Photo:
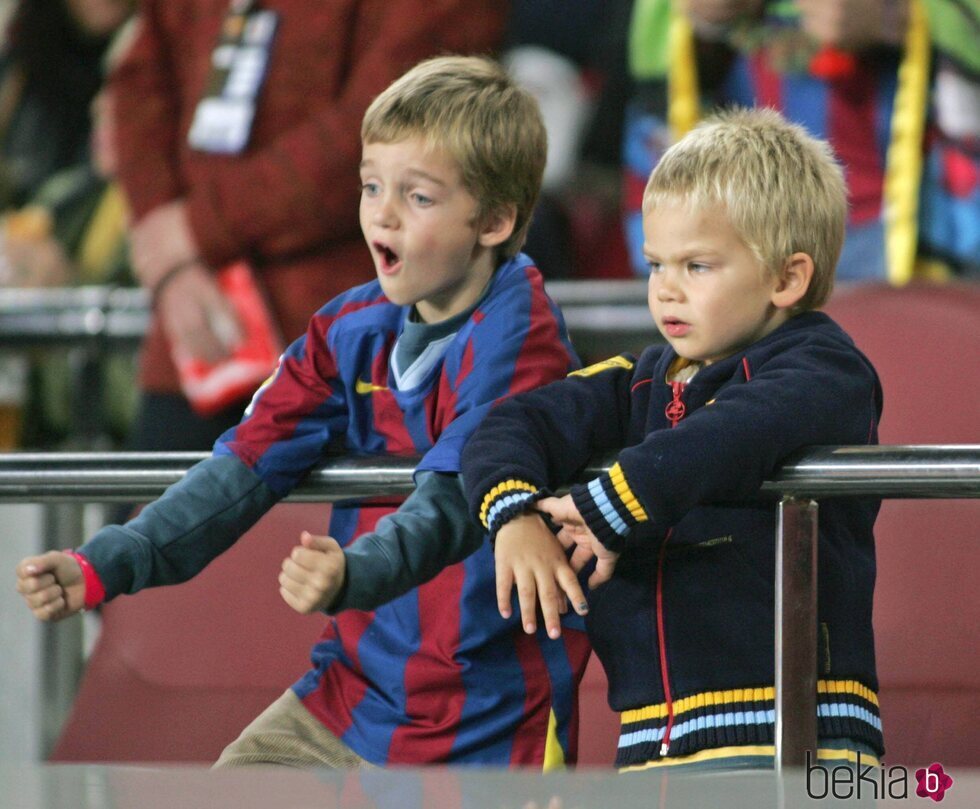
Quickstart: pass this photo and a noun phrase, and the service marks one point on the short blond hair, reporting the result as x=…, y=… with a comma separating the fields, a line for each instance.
x=781, y=188
x=492, y=128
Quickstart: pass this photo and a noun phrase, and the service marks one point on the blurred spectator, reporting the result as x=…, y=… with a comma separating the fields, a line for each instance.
x=73, y=232
x=831, y=65
x=569, y=54
x=50, y=69
x=70, y=231
x=949, y=233
x=239, y=140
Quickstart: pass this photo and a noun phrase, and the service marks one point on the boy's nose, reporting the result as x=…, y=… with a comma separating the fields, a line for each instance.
x=667, y=285
x=384, y=213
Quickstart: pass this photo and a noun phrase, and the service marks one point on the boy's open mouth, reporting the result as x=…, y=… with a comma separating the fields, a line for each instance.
x=389, y=258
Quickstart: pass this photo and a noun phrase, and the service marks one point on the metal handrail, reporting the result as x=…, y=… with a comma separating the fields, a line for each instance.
x=939, y=471
x=120, y=316
x=934, y=471
x=31, y=317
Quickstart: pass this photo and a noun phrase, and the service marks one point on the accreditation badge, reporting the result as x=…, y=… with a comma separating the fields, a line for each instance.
x=223, y=118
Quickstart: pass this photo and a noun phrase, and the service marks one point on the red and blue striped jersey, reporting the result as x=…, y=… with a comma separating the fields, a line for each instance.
x=852, y=112
x=435, y=675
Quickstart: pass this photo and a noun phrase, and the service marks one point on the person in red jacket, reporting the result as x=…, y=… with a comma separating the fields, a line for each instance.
x=238, y=129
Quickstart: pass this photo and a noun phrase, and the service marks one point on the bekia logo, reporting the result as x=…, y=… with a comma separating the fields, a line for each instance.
x=873, y=780
x=933, y=782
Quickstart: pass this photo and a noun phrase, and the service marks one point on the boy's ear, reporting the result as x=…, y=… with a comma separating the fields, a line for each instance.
x=794, y=281
x=498, y=225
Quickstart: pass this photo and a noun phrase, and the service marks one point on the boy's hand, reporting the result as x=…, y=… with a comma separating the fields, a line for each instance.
x=312, y=574
x=575, y=532
x=197, y=317
x=529, y=557
x=52, y=585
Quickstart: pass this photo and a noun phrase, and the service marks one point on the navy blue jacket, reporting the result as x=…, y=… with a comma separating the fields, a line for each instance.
x=682, y=504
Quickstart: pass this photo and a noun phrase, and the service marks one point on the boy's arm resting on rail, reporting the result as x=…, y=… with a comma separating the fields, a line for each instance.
x=176, y=536
x=170, y=540
x=544, y=438
x=821, y=394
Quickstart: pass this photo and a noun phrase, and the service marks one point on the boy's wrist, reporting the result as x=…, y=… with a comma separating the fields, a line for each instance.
x=94, y=589
x=507, y=500
x=338, y=599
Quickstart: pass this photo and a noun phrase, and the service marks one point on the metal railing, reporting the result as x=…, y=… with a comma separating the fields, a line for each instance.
x=67, y=316
x=111, y=316
x=943, y=471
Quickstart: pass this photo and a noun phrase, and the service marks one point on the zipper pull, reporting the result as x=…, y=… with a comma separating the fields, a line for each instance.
x=676, y=408
x=664, y=748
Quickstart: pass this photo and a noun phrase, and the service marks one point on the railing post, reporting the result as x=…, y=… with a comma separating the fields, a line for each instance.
x=61, y=643
x=796, y=632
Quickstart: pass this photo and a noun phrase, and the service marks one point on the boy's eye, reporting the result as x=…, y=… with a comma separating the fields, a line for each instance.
x=370, y=189
x=421, y=199
x=696, y=267
x=655, y=267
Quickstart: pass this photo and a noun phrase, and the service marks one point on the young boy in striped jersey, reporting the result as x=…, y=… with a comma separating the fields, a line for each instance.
x=453, y=154
x=743, y=224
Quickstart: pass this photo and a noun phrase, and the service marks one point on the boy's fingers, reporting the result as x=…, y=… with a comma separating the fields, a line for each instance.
x=301, y=598
x=572, y=589
x=566, y=538
x=527, y=598
x=48, y=605
x=292, y=600
x=561, y=509
x=43, y=598
x=31, y=584
x=317, y=542
x=603, y=572
x=549, y=597
x=307, y=558
x=35, y=565
x=580, y=557
x=505, y=584
x=288, y=568
x=52, y=611
x=305, y=578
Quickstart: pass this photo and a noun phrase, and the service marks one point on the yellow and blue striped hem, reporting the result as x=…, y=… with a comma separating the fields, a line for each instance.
x=702, y=700
x=847, y=687
x=845, y=708
x=765, y=752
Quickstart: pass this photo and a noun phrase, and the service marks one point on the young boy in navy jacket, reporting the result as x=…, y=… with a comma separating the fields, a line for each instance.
x=452, y=158
x=743, y=224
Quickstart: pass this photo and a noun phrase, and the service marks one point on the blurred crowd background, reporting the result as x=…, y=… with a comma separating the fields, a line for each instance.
x=103, y=180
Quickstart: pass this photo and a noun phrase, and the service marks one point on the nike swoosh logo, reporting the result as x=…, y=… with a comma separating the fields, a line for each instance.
x=365, y=388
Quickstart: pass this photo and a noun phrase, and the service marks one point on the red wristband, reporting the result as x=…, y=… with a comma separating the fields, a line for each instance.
x=94, y=589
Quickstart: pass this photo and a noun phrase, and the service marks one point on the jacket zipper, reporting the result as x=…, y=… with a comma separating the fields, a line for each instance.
x=674, y=411
x=676, y=408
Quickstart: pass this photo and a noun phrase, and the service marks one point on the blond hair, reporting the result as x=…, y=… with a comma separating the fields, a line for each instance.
x=492, y=128
x=781, y=188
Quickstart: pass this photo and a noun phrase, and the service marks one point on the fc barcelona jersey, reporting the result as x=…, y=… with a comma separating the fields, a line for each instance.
x=435, y=675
